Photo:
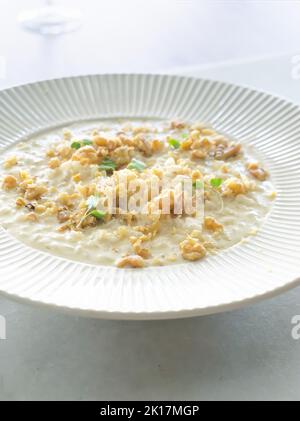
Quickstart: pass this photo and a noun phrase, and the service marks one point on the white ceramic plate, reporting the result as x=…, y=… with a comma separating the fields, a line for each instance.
x=261, y=267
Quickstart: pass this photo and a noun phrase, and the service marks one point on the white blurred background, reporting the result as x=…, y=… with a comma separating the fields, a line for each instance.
x=147, y=35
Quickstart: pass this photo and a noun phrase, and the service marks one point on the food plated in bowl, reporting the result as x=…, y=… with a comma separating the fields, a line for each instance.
x=74, y=192
x=69, y=240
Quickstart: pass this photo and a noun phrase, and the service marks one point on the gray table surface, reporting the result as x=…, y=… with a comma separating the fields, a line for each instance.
x=245, y=354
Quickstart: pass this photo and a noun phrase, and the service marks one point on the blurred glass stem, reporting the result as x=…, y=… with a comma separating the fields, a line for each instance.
x=50, y=19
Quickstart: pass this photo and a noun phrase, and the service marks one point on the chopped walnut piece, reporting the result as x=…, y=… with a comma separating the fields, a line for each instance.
x=63, y=228
x=63, y=215
x=9, y=182
x=224, y=169
x=40, y=209
x=128, y=218
x=126, y=141
x=67, y=134
x=143, y=145
x=25, y=184
x=137, y=246
x=54, y=163
x=67, y=199
x=100, y=141
x=32, y=217
x=157, y=172
x=212, y=224
x=220, y=140
x=76, y=178
x=234, y=187
x=177, y=125
x=232, y=151
x=89, y=222
x=86, y=155
x=157, y=145
x=192, y=249
x=198, y=154
x=51, y=208
x=186, y=144
x=260, y=174
x=122, y=155
x=223, y=153
x=20, y=202
x=150, y=230
x=10, y=162
x=197, y=234
x=122, y=232
x=182, y=171
x=198, y=126
x=140, y=129
x=50, y=153
x=87, y=190
x=143, y=252
x=197, y=144
x=195, y=134
x=208, y=132
x=134, y=261
x=206, y=143
x=257, y=172
x=252, y=166
x=24, y=175
x=102, y=153
x=34, y=191
x=196, y=174
x=113, y=144
x=65, y=152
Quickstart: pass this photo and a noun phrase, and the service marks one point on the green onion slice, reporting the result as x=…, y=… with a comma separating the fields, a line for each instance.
x=86, y=142
x=198, y=184
x=107, y=165
x=137, y=165
x=98, y=214
x=216, y=182
x=79, y=143
x=174, y=143
x=76, y=145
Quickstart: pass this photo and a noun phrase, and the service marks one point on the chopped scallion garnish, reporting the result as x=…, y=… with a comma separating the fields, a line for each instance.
x=137, y=165
x=79, y=143
x=107, y=165
x=216, y=182
x=198, y=184
x=76, y=145
x=98, y=214
x=174, y=143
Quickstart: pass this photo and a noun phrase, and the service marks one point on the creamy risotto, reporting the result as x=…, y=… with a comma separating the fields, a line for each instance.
x=57, y=189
